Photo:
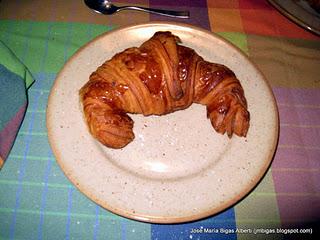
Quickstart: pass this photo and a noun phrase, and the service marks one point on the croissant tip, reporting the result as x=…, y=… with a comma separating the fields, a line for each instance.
x=115, y=141
x=167, y=34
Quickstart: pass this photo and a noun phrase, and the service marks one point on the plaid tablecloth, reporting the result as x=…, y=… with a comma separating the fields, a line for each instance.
x=38, y=202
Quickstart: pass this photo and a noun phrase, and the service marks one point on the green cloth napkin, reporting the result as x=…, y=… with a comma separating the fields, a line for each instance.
x=15, y=78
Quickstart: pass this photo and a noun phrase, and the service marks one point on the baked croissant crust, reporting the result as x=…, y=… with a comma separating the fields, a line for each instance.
x=160, y=77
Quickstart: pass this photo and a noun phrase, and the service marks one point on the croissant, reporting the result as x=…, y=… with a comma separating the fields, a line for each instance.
x=159, y=77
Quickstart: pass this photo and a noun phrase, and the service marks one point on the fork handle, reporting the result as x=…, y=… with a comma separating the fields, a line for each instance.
x=168, y=13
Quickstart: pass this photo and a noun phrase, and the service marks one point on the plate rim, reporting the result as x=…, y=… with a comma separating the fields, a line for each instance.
x=294, y=18
x=163, y=219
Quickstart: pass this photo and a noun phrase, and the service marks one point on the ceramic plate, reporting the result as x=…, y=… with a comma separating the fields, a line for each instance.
x=300, y=12
x=177, y=168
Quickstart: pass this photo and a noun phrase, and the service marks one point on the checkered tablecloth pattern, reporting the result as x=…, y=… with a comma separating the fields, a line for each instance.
x=38, y=202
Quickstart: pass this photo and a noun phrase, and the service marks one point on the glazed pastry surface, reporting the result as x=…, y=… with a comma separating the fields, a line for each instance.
x=159, y=77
